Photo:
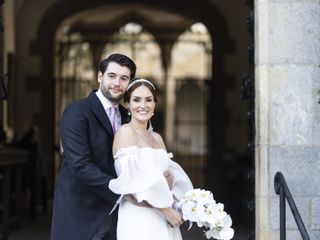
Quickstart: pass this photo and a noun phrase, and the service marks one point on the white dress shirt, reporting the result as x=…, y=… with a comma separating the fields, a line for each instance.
x=107, y=107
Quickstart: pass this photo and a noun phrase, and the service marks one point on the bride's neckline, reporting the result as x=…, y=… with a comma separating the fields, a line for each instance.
x=146, y=137
x=139, y=129
x=139, y=148
x=144, y=147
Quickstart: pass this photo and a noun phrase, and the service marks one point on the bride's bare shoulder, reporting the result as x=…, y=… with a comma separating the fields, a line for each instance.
x=125, y=128
x=125, y=136
x=124, y=132
x=158, y=139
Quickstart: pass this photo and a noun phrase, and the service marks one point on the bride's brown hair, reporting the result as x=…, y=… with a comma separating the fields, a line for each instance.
x=134, y=84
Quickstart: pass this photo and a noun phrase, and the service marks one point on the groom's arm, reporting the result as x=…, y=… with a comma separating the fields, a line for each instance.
x=77, y=154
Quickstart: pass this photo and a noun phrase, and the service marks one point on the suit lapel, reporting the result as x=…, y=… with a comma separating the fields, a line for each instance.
x=100, y=113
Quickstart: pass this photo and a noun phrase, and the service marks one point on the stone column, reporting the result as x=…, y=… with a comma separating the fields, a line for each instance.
x=8, y=11
x=287, y=59
x=170, y=88
x=170, y=110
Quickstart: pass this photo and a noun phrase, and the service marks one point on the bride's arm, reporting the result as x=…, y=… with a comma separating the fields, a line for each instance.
x=125, y=137
x=172, y=215
x=130, y=198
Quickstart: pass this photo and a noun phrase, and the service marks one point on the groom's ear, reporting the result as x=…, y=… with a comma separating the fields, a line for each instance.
x=100, y=75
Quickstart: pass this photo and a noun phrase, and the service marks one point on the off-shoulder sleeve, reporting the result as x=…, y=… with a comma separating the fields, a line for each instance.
x=181, y=181
x=138, y=176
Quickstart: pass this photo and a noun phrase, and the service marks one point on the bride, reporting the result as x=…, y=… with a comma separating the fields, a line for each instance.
x=146, y=208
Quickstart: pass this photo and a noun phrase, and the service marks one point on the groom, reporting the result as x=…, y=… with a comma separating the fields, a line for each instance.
x=82, y=199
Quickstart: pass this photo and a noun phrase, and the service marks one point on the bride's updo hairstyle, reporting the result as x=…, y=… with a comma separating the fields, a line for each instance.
x=134, y=84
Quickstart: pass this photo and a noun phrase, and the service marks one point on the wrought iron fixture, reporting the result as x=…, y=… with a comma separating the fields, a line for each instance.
x=281, y=188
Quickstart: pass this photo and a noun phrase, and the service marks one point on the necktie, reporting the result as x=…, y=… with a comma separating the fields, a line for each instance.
x=112, y=118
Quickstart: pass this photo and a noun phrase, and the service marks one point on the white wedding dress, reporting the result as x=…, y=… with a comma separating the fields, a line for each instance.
x=140, y=173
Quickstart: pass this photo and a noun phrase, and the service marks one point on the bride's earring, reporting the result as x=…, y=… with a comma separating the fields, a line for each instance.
x=128, y=111
x=150, y=128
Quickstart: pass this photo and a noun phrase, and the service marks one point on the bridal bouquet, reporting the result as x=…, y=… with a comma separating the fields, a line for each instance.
x=199, y=206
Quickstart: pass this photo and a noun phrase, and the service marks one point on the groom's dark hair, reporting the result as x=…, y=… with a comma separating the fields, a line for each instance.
x=122, y=60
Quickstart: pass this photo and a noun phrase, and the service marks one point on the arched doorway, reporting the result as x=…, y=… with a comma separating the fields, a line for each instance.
x=217, y=105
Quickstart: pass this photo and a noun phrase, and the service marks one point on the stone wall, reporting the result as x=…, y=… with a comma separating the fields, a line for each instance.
x=287, y=38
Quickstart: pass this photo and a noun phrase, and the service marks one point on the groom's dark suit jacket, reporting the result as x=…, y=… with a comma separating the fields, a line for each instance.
x=82, y=199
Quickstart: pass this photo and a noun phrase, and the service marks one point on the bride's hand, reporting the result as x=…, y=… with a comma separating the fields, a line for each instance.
x=131, y=199
x=172, y=216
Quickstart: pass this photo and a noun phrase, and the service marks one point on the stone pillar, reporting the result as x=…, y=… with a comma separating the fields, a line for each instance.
x=170, y=110
x=170, y=94
x=8, y=11
x=287, y=59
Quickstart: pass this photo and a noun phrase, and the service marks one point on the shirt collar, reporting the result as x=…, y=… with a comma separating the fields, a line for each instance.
x=105, y=102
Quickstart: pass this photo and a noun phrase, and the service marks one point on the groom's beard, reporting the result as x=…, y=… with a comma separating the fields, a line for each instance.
x=110, y=97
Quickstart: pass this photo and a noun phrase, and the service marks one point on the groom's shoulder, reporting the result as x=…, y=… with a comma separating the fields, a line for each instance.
x=78, y=106
x=80, y=103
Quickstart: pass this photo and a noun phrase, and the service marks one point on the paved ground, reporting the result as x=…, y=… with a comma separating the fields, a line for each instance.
x=32, y=229
x=39, y=229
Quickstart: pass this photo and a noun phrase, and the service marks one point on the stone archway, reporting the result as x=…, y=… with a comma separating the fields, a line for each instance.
x=217, y=110
x=207, y=14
